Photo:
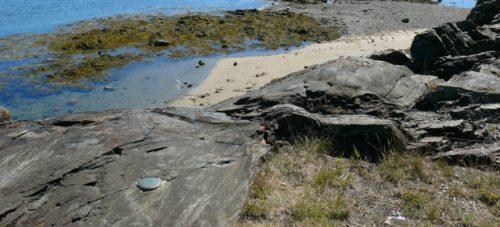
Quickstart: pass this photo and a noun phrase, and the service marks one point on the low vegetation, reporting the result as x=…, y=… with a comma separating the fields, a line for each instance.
x=304, y=186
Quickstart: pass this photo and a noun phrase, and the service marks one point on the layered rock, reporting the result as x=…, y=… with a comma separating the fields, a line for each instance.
x=343, y=86
x=456, y=47
x=83, y=169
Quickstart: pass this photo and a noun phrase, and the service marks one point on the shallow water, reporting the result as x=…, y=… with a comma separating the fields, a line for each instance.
x=146, y=84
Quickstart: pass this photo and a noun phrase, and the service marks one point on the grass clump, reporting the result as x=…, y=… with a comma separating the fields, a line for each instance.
x=397, y=167
x=414, y=202
x=302, y=185
x=484, y=187
x=332, y=177
x=312, y=208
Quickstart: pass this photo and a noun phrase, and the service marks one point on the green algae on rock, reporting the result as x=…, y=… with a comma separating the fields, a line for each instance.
x=85, y=50
x=199, y=34
x=69, y=71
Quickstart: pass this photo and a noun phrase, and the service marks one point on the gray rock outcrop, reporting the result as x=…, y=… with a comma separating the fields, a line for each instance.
x=343, y=86
x=456, y=47
x=83, y=169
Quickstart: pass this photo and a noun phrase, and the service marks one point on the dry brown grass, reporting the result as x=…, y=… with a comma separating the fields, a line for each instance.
x=302, y=185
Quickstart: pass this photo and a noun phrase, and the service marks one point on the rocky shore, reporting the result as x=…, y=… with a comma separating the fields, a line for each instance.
x=83, y=169
x=355, y=17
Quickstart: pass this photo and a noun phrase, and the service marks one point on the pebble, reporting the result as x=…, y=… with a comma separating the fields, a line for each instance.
x=108, y=88
x=160, y=42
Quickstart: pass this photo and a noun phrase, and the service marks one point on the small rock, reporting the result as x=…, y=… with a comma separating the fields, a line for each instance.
x=72, y=102
x=149, y=183
x=159, y=42
x=235, y=63
x=405, y=20
x=5, y=115
x=108, y=88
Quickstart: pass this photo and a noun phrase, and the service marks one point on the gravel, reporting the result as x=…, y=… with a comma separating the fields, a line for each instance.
x=368, y=17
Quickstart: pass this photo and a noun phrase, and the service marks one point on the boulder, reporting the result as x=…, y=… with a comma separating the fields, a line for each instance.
x=485, y=112
x=484, y=12
x=448, y=66
x=456, y=47
x=343, y=86
x=484, y=156
x=369, y=135
x=493, y=68
x=395, y=57
x=84, y=169
x=462, y=90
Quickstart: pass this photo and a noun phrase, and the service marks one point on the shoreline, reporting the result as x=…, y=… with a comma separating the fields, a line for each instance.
x=225, y=80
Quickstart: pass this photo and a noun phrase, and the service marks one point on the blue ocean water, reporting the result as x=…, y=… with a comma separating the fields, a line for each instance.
x=460, y=3
x=34, y=16
x=22, y=16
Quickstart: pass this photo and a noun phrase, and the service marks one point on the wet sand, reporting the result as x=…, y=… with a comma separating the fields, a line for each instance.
x=235, y=76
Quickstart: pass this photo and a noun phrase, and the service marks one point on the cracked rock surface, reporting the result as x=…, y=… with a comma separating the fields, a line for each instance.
x=83, y=169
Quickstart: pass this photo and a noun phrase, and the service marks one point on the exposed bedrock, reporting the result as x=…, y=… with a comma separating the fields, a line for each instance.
x=83, y=169
x=456, y=47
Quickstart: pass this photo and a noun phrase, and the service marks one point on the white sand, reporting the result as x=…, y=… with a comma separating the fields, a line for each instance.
x=227, y=81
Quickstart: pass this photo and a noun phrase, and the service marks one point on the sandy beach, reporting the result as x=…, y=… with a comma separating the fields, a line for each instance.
x=235, y=76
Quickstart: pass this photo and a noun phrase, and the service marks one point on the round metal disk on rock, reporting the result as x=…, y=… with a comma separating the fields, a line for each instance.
x=149, y=183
